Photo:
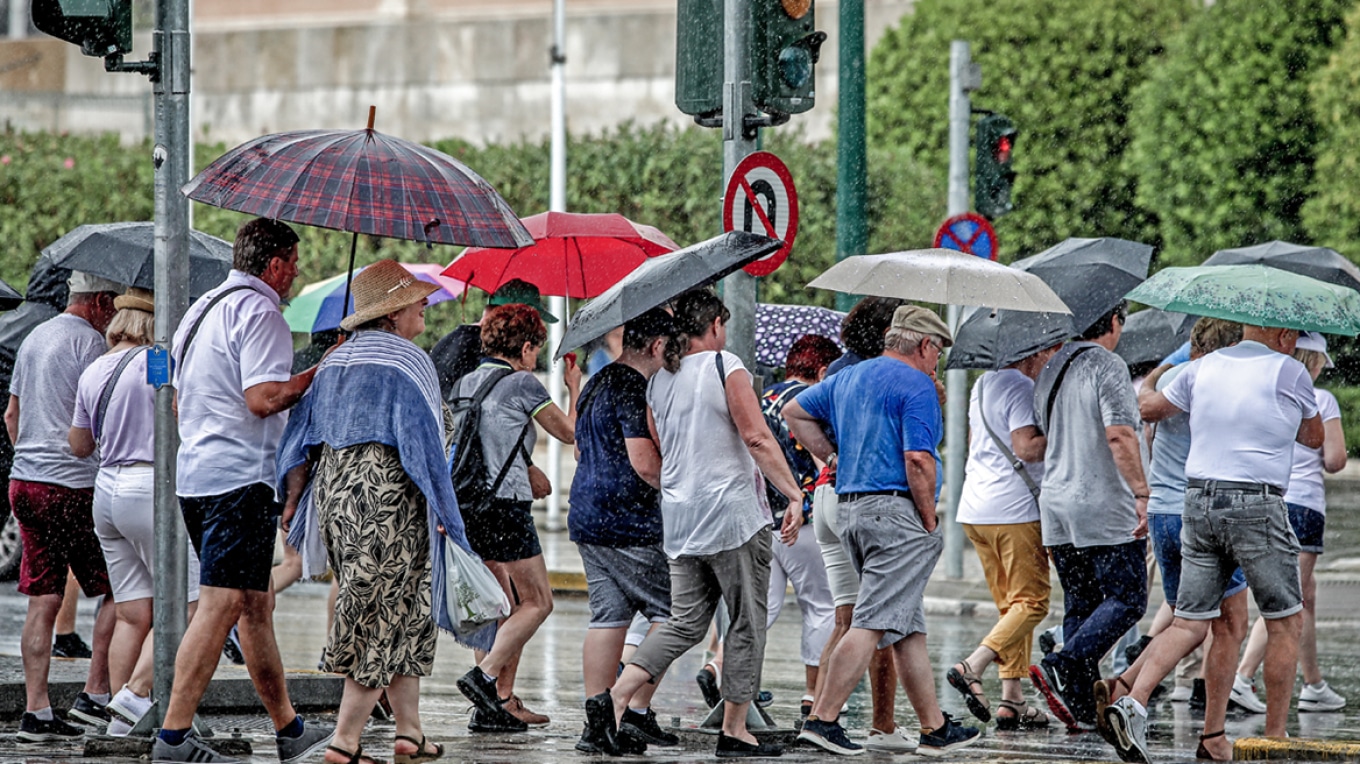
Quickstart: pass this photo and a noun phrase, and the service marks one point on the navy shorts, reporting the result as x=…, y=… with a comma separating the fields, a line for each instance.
x=1308, y=525
x=503, y=532
x=1166, y=547
x=233, y=534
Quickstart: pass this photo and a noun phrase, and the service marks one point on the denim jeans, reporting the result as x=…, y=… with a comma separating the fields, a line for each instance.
x=1104, y=595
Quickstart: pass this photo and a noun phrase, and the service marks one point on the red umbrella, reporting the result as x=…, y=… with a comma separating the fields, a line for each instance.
x=573, y=255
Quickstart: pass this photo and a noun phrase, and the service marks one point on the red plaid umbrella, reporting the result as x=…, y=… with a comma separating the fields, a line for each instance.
x=360, y=181
x=573, y=255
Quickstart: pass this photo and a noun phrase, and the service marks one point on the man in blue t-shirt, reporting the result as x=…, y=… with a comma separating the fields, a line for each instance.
x=615, y=520
x=886, y=415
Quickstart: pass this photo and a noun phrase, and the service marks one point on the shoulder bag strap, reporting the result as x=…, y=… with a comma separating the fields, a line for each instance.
x=1057, y=383
x=107, y=393
x=1005, y=450
x=193, y=330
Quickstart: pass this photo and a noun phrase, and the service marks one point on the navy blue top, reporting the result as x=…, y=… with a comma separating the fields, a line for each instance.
x=610, y=504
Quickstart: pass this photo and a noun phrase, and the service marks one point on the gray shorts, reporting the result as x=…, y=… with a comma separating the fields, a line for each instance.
x=894, y=556
x=625, y=580
x=1228, y=528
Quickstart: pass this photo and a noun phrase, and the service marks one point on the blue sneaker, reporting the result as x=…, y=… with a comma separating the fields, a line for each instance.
x=951, y=737
x=829, y=736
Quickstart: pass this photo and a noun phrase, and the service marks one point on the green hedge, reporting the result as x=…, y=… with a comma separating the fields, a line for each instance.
x=1332, y=213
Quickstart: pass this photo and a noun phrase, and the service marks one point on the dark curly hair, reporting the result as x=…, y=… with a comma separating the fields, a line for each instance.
x=696, y=309
x=505, y=329
x=258, y=242
x=862, y=332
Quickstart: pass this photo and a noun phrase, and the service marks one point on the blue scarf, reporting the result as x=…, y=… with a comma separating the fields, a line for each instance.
x=380, y=388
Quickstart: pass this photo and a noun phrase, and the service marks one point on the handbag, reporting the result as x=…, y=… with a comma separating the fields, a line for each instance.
x=472, y=593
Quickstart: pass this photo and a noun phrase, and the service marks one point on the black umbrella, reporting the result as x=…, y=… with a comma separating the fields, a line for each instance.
x=9, y=297
x=124, y=252
x=661, y=279
x=995, y=339
x=1090, y=275
x=1153, y=334
x=1320, y=263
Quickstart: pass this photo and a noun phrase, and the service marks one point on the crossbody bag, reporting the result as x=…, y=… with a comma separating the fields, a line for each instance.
x=1006, y=450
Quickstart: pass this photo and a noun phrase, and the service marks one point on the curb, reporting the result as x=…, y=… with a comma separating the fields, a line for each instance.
x=1276, y=749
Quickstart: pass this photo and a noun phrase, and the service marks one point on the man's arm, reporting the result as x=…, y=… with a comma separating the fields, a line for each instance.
x=12, y=419
x=1154, y=406
x=1123, y=441
x=921, y=479
x=1028, y=444
x=269, y=398
x=807, y=430
x=81, y=441
x=1311, y=432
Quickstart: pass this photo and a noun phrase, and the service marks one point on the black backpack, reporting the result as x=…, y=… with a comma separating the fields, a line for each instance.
x=470, y=473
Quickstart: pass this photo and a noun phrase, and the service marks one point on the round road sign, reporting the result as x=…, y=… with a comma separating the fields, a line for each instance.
x=760, y=198
x=969, y=233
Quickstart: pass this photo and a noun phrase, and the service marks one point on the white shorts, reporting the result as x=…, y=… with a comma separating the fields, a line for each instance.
x=124, y=520
x=840, y=574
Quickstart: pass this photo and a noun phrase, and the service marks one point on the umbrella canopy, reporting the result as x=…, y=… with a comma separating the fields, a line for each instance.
x=46, y=298
x=125, y=252
x=1320, y=263
x=995, y=339
x=1256, y=295
x=9, y=297
x=360, y=181
x=1153, y=334
x=941, y=276
x=1090, y=275
x=573, y=255
x=660, y=280
x=779, y=326
x=317, y=308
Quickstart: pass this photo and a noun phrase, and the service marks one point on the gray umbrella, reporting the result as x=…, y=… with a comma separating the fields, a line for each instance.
x=1320, y=263
x=124, y=252
x=1153, y=334
x=660, y=279
x=1090, y=275
x=995, y=339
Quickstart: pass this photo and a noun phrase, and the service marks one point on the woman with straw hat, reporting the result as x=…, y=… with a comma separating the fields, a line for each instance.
x=371, y=436
x=115, y=411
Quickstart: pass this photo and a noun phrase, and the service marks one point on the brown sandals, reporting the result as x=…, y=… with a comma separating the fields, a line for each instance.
x=421, y=754
x=963, y=681
x=1103, y=690
x=357, y=756
x=1022, y=716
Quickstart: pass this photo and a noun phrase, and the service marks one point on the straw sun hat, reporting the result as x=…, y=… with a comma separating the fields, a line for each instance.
x=136, y=298
x=382, y=288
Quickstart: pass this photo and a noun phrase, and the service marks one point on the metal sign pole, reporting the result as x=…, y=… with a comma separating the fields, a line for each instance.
x=739, y=289
x=171, y=157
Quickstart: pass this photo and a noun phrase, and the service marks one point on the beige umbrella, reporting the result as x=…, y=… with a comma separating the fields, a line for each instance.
x=941, y=276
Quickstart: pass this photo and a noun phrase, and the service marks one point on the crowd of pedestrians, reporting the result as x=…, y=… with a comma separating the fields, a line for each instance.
x=696, y=502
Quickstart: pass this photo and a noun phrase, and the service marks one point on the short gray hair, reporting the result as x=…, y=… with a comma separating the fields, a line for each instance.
x=904, y=341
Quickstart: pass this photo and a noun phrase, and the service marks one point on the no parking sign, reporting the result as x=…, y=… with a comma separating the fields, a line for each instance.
x=760, y=198
x=969, y=233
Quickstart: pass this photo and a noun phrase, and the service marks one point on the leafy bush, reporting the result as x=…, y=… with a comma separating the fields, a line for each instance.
x=1332, y=213
x=1224, y=136
x=1064, y=70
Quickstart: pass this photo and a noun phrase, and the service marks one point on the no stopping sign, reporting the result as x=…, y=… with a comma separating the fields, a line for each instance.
x=760, y=198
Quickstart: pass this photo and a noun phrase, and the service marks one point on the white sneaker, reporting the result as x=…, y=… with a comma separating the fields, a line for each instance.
x=118, y=727
x=1181, y=694
x=1127, y=720
x=890, y=742
x=1320, y=697
x=1244, y=697
x=128, y=706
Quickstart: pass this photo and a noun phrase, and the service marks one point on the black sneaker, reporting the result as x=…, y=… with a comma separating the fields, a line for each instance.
x=498, y=720
x=1047, y=643
x=87, y=711
x=70, y=646
x=231, y=649
x=1049, y=682
x=736, y=748
x=35, y=730
x=643, y=726
x=829, y=736
x=708, y=685
x=482, y=692
x=951, y=737
x=1136, y=649
x=599, y=735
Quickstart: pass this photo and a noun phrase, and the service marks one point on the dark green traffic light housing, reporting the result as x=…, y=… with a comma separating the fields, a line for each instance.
x=101, y=28
x=993, y=173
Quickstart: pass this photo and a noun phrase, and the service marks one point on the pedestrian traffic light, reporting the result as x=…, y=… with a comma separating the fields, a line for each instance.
x=699, y=57
x=993, y=174
x=100, y=27
x=784, y=47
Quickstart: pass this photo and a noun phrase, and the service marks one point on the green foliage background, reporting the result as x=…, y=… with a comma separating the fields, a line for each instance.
x=1331, y=215
x=1064, y=70
x=1224, y=134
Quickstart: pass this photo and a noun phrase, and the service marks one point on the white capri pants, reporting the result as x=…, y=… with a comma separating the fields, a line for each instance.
x=840, y=573
x=802, y=565
x=124, y=520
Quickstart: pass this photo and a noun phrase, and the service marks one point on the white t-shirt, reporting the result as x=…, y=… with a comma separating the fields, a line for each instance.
x=1245, y=404
x=712, y=494
x=128, y=432
x=242, y=342
x=47, y=372
x=1305, y=479
x=993, y=492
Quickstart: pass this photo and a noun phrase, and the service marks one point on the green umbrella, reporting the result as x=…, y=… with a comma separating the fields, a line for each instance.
x=1254, y=294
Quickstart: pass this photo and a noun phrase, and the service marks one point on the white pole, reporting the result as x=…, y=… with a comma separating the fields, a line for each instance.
x=557, y=202
x=18, y=19
x=956, y=380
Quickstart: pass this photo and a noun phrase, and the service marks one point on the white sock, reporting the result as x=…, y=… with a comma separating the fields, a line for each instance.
x=1138, y=708
x=639, y=709
x=100, y=698
x=487, y=676
x=1319, y=687
x=1244, y=679
x=44, y=714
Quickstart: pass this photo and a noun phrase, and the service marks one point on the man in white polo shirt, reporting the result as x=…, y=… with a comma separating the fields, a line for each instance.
x=234, y=356
x=1248, y=405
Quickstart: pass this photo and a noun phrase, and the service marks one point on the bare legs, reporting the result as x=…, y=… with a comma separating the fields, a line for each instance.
x=882, y=677
x=532, y=602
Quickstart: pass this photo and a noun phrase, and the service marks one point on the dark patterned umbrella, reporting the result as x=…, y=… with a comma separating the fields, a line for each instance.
x=779, y=326
x=360, y=181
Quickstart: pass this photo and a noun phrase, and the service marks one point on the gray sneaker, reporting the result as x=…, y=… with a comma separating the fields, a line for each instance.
x=1129, y=727
x=314, y=737
x=192, y=750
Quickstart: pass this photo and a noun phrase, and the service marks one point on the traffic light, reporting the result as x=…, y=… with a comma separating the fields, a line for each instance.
x=993, y=174
x=785, y=45
x=100, y=27
x=699, y=57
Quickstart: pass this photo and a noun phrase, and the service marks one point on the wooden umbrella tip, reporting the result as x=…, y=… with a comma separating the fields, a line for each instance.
x=372, y=115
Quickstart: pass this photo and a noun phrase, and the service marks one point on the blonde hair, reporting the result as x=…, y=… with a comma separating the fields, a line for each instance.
x=1313, y=360
x=131, y=325
x=1210, y=334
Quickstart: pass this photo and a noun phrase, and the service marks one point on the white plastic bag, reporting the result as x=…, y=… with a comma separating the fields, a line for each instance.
x=474, y=596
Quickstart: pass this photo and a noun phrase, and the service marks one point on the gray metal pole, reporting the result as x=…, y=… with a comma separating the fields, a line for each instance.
x=956, y=381
x=18, y=19
x=172, y=299
x=739, y=289
x=557, y=202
